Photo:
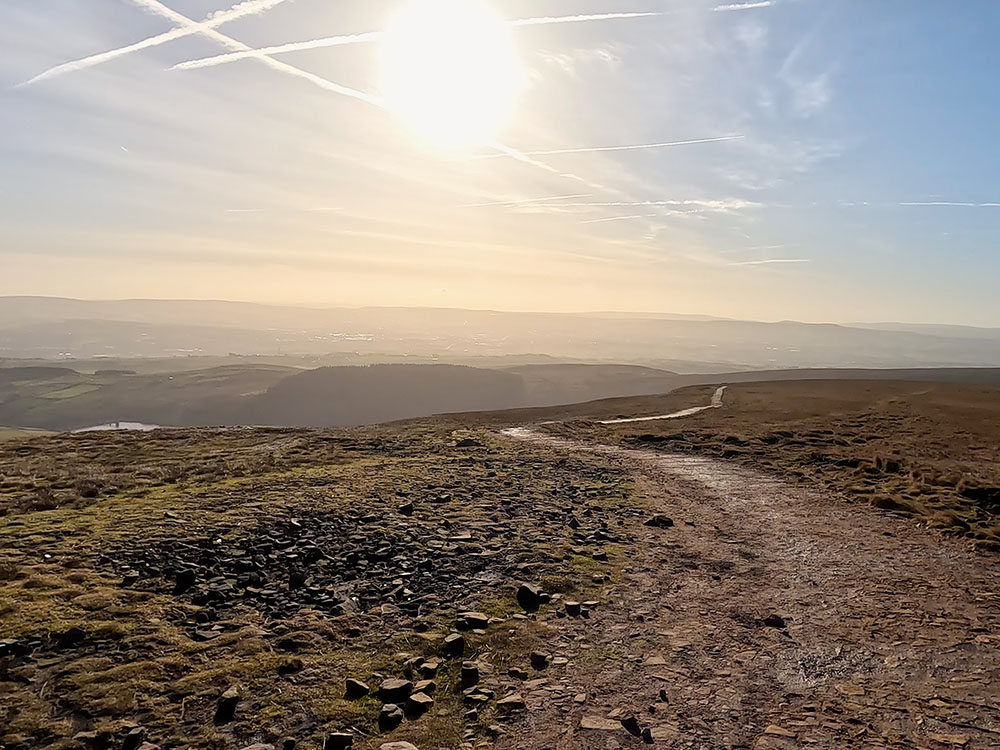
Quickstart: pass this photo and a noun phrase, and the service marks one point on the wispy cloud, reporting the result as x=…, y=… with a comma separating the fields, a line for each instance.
x=620, y=218
x=958, y=204
x=632, y=147
x=743, y=6
x=580, y=18
x=769, y=261
x=525, y=201
x=714, y=205
x=212, y=21
x=371, y=36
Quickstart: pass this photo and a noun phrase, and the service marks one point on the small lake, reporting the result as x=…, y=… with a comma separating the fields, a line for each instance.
x=124, y=426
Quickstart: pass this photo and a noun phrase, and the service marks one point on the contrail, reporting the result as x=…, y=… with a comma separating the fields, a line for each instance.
x=371, y=36
x=620, y=218
x=543, y=21
x=635, y=147
x=743, y=6
x=206, y=29
x=525, y=201
x=951, y=203
x=724, y=205
x=213, y=20
x=330, y=41
x=155, y=6
x=772, y=260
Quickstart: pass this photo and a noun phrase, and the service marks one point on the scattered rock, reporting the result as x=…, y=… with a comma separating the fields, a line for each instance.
x=390, y=717
x=397, y=746
x=539, y=660
x=454, y=646
x=774, y=621
x=574, y=609
x=418, y=704
x=632, y=726
x=405, y=509
x=425, y=686
x=472, y=621
x=339, y=741
x=647, y=736
x=356, y=690
x=660, y=521
x=429, y=668
x=134, y=738
x=468, y=443
x=517, y=674
x=395, y=691
x=225, y=710
x=511, y=704
x=530, y=597
x=599, y=722
x=470, y=675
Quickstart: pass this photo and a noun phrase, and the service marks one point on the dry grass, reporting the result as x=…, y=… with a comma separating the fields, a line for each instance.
x=96, y=655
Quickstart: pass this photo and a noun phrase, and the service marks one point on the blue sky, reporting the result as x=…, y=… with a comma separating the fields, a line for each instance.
x=859, y=188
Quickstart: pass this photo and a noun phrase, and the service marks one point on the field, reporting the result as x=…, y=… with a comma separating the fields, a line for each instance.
x=926, y=450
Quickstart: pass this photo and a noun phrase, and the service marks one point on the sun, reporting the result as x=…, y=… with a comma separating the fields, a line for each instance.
x=451, y=71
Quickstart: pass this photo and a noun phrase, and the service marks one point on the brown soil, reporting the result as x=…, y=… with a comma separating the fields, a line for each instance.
x=891, y=636
x=928, y=450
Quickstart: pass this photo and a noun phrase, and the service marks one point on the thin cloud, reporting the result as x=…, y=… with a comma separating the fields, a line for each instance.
x=770, y=261
x=524, y=201
x=620, y=218
x=580, y=18
x=213, y=20
x=743, y=6
x=632, y=147
x=371, y=36
x=714, y=205
x=950, y=203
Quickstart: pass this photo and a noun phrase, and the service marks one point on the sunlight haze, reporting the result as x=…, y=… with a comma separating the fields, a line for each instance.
x=786, y=159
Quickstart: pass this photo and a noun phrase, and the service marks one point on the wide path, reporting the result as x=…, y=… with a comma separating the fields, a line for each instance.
x=891, y=637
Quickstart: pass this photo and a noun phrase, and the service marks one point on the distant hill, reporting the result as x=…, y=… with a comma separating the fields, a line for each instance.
x=38, y=327
x=260, y=394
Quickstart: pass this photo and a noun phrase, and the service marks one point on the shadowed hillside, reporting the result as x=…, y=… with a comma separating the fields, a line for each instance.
x=340, y=396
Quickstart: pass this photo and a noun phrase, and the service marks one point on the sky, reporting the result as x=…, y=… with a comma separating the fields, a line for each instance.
x=844, y=164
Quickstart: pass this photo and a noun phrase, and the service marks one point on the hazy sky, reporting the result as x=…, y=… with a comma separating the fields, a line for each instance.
x=864, y=184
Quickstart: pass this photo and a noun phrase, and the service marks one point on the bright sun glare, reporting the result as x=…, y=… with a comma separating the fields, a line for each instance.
x=450, y=69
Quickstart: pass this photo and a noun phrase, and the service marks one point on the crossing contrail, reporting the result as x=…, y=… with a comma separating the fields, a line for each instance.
x=213, y=20
x=634, y=147
x=371, y=36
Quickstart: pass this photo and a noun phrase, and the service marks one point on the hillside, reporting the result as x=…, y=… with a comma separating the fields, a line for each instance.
x=33, y=327
x=450, y=583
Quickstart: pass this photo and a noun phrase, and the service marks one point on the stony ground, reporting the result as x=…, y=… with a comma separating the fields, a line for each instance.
x=927, y=450
x=274, y=568
x=772, y=616
x=448, y=584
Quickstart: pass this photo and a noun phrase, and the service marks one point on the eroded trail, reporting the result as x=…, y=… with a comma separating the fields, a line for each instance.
x=892, y=634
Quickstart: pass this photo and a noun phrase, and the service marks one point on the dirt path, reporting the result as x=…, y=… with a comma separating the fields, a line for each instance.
x=716, y=403
x=892, y=636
